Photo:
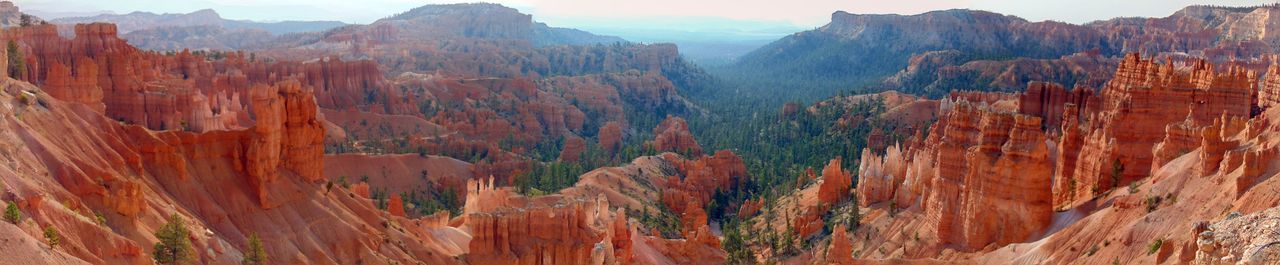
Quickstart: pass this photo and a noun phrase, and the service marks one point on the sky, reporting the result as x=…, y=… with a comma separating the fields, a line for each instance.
x=757, y=15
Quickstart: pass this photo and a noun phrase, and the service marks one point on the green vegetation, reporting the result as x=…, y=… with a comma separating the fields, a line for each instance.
x=51, y=236
x=666, y=222
x=11, y=213
x=256, y=254
x=26, y=20
x=735, y=244
x=17, y=65
x=100, y=219
x=778, y=148
x=1153, y=203
x=432, y=199
x=549, y=177
x=173, y=247
x=1154, y=246
x=1117, y=168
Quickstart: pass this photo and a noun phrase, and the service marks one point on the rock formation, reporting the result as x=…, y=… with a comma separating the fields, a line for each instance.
x=510, y=229
x=1138, y=105
x=840, y=251
x=836, y=183
x=879, y=177
x=573, y=148
x=673, y=135
x=700, y=178
x=611, y=137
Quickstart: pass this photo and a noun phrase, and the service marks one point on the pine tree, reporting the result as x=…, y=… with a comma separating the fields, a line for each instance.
x=174, y=246
x=255, y=255
x=16, y=64
x=12, y=214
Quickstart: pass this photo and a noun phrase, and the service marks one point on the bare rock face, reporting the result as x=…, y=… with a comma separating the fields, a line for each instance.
x=611, y=137
x=1239, y=240
x=90, y=163
x=507, y=228
x=750, y=207
x=879, y=177
x=1269, y=93
x=702, y=178
x=1138, y=106
x=1009, y=188
x=836, y=183
x=841, y=249
x=287, y=136
x=1049, y=101
x=395, y=205
x=673, y=135
x=993, y=178
x=573, y=148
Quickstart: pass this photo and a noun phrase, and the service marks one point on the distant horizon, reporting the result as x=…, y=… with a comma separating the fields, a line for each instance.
x=586, y=13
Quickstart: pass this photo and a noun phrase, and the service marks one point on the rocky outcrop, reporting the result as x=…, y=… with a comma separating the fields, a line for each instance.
x=11, y=16
x=1049, y=101
x=92, y=165
x=287, y=136
x=673, y=135
x=879, y=177
x=750, y=208
x=991, y=182
x=1139, y=104
x=1239, y=240
x=839, y=252
x=511, y=229
x=1008, y=189
x=1269, y=92
x=700, y=178
x=185, y=90
x=835, y=184
x=573, y=148
x=611, y=137
x=395, y=205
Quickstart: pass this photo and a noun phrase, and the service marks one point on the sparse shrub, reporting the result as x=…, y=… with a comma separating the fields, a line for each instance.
x=1153, y=203
x=101, y=219
x=24, y=99
x=1133, y=187
x=1092, y=249
x=1155, y=246
x=12, y=214
x=51, y=235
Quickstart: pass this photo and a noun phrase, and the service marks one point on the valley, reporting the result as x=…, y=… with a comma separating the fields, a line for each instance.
x=476, y=134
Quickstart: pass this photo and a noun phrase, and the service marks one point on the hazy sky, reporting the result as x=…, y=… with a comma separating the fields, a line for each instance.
x=565, y=13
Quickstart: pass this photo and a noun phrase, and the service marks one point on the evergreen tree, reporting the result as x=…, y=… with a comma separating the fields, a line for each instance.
x=174, y=247
x=16, y=62
x=12, y=214
x=255, y=255
x=25, y=20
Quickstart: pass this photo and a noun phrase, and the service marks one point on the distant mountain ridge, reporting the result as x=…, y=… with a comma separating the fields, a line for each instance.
x=856, y=50
x=205, y=29
x=487, y=21
x=205, y=17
